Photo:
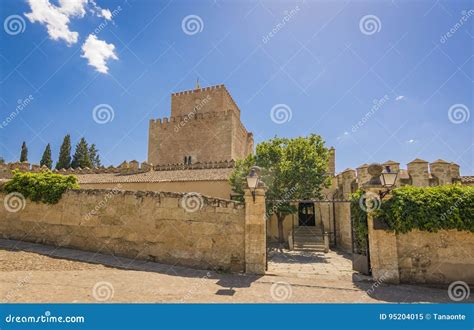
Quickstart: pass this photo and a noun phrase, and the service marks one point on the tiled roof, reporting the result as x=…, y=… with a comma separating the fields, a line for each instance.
x=467, y=179
x=214, y=174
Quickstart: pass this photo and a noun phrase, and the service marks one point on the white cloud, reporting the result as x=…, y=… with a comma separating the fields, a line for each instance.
x=107, y=14
x=98, y=52
x=55, y=18
x=399, y=97
x=73, y=7
x=411, y=141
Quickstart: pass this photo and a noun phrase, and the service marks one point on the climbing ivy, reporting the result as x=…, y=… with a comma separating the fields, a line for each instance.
x=359, y=222
x=429, y=208
x=44, y=186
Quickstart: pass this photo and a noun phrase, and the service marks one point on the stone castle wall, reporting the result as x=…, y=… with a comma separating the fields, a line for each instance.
x=442, y=257
x=145, y=225
x=205, y=137
x=204, y=124
x=126, y=168
x=203, y=100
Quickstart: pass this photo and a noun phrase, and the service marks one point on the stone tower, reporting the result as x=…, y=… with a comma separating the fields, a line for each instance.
x=204, y=126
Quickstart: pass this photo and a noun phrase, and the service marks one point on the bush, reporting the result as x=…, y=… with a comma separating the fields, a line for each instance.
x=45, y=186
x=429, y=208
x=359, y=223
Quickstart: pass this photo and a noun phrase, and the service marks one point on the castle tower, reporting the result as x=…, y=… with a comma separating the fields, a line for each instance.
x=204, y=126
x=332, y=162
x=418, y=171
x=441, y=170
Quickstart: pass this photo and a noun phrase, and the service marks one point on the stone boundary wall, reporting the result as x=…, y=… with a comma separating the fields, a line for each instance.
x=442, y=257
x=173, y=228
x=126, y=168
x=420, y=256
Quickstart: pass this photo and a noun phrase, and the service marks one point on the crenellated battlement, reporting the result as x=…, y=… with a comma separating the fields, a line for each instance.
x=419, y=173
x=165, y=122
x=199, y=90
x=125, y=168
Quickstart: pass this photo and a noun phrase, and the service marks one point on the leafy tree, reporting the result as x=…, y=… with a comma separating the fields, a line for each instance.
x=291, y=169
x=24, y=153
x=46, y=159
x=81, y=155
x=64, y=160
x=94, y=156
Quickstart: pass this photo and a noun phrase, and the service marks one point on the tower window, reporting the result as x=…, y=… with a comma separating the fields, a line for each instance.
x=187, y=160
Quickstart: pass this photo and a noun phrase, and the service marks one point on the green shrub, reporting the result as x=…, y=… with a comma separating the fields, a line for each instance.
x=45, y=186
x=359, y=222
x=429, y=208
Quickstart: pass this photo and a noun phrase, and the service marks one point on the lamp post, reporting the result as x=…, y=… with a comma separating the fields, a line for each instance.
x=253, y=179
x=384, y=177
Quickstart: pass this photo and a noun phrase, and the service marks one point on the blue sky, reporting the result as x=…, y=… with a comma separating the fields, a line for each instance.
x=377, y=80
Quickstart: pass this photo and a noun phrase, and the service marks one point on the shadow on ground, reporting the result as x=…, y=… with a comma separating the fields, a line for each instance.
x=227, y=280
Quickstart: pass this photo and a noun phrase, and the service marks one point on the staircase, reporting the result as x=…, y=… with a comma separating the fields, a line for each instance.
x=309, y=238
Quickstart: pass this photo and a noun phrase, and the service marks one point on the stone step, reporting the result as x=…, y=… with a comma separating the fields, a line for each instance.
x=312, y=249
x=308, y=243
x=309, y=239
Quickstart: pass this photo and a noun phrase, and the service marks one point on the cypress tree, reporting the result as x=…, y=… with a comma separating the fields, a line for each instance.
x=94, y=156
x=81, y=155
x=46, y=159
x=64, y=160
x=24, y=153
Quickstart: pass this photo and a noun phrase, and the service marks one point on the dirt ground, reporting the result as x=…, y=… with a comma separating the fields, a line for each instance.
x=37, y=273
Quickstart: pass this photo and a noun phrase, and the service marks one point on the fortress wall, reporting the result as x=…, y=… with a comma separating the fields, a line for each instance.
x=204, y=137
x=153, y=226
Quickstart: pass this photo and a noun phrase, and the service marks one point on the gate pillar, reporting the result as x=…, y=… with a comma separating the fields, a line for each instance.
x=255, y=232
x=382, y=243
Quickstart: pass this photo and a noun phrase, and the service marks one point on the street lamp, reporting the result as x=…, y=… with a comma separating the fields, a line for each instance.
x=384, y=177
x=253, y=180
x=388, y=177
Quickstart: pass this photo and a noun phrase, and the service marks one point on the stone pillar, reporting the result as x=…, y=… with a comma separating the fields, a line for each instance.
x=441, y=170
x=255, y=232
x=332, y=162
x=382, y=243
x=419, y=173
